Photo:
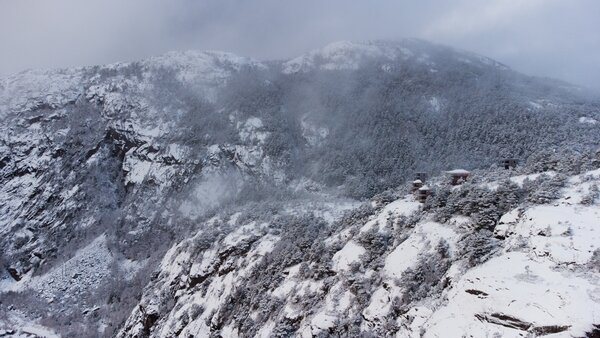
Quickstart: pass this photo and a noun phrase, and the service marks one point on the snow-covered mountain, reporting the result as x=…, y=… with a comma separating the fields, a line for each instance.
x=206, y=194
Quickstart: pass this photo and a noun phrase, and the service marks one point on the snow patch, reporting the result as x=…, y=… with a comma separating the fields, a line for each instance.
x=588, y=120
x=435, y=104
x=349, y=254
x=519, y=180
x=251, y=130
x=424, y=238
x=401, y=207
x=515, y=285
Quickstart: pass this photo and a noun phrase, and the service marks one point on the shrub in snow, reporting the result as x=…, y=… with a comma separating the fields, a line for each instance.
x=320, y=269
x=484, y=205
x=385, y=197
x=594, y=262
x=475, y=200
x=206, y=239
x=438, y=202
x=406, y=222
x=426, y=278
x=286, y=327
x=356, y=216
x=347, y=326
x=487, y=218
x=477, y=247
x=545, y=188
x=375, y=243
x=195, y=311
x=362, y=287
x=507, y=196
x=397, y=307
x=592, y=195
x=551, y=159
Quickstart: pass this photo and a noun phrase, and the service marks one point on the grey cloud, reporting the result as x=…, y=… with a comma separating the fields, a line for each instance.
x=540, y=37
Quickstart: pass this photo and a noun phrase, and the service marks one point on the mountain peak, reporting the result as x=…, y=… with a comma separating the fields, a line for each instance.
x=342, y=55
x=348, y=55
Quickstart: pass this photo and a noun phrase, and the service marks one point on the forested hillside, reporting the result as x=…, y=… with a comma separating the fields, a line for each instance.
x=203, y=193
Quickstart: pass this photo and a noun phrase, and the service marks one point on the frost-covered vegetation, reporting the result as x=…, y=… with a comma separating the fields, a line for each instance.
x=361, y=276
x=207, y=194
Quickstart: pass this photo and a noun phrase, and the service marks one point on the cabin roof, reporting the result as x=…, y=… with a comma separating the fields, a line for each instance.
x=458, y=172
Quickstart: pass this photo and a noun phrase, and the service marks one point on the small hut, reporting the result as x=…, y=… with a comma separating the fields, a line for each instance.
x=458, y=176
x=509, y=163
x=422, y=194
x=421, y=176
x=416, y=184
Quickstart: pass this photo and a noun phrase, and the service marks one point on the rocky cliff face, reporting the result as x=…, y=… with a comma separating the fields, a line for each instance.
x=199, y=194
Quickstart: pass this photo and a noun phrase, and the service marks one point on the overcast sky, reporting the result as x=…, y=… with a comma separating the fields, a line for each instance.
x=556, y=38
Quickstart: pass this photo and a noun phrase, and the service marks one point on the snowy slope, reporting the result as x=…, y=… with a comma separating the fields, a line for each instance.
x=204, y=193
x=536, y=282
